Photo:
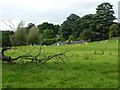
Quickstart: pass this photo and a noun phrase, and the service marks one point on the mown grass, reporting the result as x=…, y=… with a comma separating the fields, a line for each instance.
x=91, y=66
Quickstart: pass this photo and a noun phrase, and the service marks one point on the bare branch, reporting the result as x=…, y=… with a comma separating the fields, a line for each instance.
x=36, y=57
x=12, y=24
x=20, y=25
x=8, y=25
x=52, y=56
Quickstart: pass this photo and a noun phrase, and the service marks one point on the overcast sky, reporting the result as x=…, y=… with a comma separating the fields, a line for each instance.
x=52, y=11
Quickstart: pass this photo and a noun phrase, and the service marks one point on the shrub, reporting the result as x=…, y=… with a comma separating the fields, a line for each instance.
x=48, y=41
x=71, y=38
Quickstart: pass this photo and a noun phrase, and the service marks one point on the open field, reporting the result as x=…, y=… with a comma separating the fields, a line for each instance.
x=91, y=66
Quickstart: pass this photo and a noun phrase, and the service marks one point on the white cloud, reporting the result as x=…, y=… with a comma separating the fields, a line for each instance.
x=54, y=11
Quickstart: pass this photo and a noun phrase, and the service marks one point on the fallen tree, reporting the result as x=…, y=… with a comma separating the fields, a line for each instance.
x=28, y=56
x=33, y=58
x=4, y=57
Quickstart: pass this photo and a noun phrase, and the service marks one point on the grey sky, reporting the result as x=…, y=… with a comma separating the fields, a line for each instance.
x=53, y=11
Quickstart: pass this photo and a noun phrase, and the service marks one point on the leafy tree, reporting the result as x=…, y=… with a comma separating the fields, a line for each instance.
x=86, y=34
x=48, y=33
x=44, y=26
x=56, y=28
x=114, y=30
x=34, y=36
x=86, y=22
x=29, y=26
x=69, y=26
x=6, y=38
x=105, y=17
x=20, y=36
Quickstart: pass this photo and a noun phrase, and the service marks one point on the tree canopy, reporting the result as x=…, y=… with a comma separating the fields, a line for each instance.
x=98, y=26
x=33, y=36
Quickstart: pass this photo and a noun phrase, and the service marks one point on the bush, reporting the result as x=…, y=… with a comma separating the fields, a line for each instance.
x=77, y=39
x=48, y=41
x=71, y=38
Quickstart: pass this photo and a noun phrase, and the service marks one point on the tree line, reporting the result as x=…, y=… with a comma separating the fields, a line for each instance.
x=94, y=27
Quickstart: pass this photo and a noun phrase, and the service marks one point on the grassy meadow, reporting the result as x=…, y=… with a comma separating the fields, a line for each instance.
x=92, y=65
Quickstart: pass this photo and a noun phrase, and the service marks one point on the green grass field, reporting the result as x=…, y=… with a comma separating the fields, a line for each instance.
x=91, y=66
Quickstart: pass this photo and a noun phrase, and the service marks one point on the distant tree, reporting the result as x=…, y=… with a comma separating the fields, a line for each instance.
x=87, y=22
x=6, y=38
x=48, y=26
x=48, y=33
x=20, y=36
x=104, y=18
x=69, y=26
x=114, y=30
x=86, y=34
x=105, y=10
x=56, y=28
x=34, y=36
x=48, y=41
x=29, y=26
x=45, y=25
x=42, y=27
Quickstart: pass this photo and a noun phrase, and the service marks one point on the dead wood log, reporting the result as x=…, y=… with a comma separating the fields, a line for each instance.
x=44, y=60
x=4, y=57
x=33, y=58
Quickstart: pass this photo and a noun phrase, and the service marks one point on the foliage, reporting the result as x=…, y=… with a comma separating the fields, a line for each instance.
x=68, y=26
x=98, y=24
x=34, y=36
x=105, y=18
x=48, y=33
x=48, y=41
x=20, y=36
x=6, y=35
x=59, y=38
x=114, y=30
x=71, y=38
x=46, y=25
x=29, y=26
x=86, y=35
